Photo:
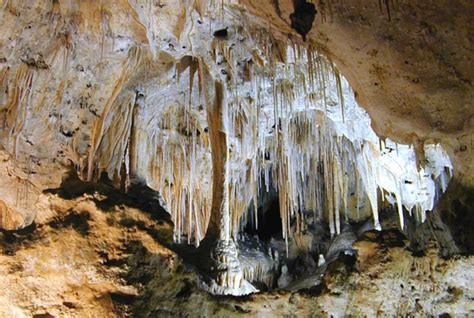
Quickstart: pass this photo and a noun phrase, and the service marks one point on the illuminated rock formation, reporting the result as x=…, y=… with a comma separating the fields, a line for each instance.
x=213, y=106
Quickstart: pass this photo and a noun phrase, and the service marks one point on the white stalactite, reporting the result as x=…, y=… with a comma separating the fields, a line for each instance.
x=291, y=123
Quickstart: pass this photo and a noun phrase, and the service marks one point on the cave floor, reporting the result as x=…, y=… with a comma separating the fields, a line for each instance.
x=96, y=257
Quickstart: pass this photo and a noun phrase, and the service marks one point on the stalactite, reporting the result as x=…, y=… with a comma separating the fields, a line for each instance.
x=18, y=104
x=129, y=66
x=289, y=122
x=113, y=146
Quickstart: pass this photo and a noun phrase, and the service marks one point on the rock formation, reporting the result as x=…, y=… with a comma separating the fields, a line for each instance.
x=343, y=123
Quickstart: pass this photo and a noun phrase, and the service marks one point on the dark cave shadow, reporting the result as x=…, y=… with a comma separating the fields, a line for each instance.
x=12, y=241
x=139, y=195
x=107, y=197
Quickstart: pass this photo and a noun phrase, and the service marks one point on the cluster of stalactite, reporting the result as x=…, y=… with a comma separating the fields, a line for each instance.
x=182, y=170
x=286, y=124
x=256, y=112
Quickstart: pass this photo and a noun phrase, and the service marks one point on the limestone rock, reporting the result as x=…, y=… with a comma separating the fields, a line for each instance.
x=9, y=218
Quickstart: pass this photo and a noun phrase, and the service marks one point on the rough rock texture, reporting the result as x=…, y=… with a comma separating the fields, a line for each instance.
x=456, y=211
x=9, y=218
x=106, y=255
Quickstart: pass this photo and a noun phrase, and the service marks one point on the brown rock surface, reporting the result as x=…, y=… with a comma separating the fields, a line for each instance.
x=101, y=255
x=9, y=218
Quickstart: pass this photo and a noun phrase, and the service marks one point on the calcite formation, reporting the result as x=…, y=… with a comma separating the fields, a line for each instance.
x=155, y=92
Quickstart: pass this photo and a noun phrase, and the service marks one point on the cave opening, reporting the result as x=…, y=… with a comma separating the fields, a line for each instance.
x=269, y=221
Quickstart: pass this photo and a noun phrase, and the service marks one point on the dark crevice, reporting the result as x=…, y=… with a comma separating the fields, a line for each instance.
x=222, y=33
x=107, y=197
x=77, y=220
x=303, y=17
x=269, y=221
x=12, y=241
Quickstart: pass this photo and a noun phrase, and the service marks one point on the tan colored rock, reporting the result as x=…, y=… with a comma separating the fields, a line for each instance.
x=9, y=218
